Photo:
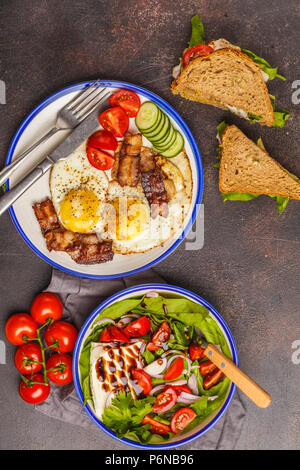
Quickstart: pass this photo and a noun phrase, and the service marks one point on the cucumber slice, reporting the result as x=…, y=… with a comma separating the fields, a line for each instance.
x=162, y=134
x=157, y=123
x=176, y=148
x=158, y=128
x=147, y=116
x=168, y=141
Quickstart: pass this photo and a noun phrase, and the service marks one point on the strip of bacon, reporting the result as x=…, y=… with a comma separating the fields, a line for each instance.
x=155, y=192
x=82, y=248
x=129, y=161
x=46, y=216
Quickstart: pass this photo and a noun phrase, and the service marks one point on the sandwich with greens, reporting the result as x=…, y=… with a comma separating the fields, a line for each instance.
x=225, y=75
x=248, y=171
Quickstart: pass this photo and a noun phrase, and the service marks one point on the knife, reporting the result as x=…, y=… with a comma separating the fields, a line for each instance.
x=63, y=150
x=257, y=394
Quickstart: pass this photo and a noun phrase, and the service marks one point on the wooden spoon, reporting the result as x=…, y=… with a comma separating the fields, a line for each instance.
x=257, y=394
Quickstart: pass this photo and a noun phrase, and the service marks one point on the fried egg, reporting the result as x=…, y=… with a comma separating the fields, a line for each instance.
x=78, y=192
x=128, y=220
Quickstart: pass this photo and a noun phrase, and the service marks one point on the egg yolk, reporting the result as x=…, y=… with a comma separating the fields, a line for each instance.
x=131, y=218
x=79, y=210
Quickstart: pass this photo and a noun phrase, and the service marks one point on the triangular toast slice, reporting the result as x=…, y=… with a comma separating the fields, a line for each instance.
x=246, y=168
x=227, y=78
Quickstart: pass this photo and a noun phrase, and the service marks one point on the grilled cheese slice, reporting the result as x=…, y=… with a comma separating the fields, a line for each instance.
x=110, y=372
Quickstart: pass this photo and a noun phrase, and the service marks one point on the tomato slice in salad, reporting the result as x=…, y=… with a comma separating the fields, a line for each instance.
x=139, y=327
x=127, y=100
x=155, y=426
x=113, y=333
x=142, y=379
x=196, y=352
x=102, y=140
x=196, y=51
x=181, y=419
x=162, y=334
x=165, y=400
x=115, y=120
x=212, y=379
x=175, y=369
x=99, y=159
x=207, y=367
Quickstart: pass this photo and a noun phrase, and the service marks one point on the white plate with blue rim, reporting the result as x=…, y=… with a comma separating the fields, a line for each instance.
x=37, y=123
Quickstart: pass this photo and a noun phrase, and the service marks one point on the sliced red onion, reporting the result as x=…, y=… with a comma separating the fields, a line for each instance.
x=188, y=361
x=187, y=398
x=171, y=351
x=125, y=319
x=214, y=397
x=157, y=388
x=152, y=294
x=177, y=382
x=105, y=320
x=156, y=368
x=193, y=384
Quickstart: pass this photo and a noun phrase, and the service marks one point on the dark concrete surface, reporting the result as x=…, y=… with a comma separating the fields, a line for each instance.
x=249, y=265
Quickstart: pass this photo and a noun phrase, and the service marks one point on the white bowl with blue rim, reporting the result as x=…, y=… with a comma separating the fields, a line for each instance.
x=37, y=123
x=167, y=290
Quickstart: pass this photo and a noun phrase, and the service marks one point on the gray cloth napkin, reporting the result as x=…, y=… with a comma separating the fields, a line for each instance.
x=80, y=297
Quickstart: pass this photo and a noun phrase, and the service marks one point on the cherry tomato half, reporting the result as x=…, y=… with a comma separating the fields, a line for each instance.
x=99, y=159
x=175, y=369
x=207, y=367
x=113, y=333
x=212, y=379
x=19, y=328
x=139, y=327
x=165, y=401
x=196, y=51
x=196, y=352
x=142, y=379
x=63, y=364
x=35, y=393
x=152, y=347
x=62, y=332
x=181, y=419
x=127, y=100
x=27, y=358
x=162, y=334
x=102, y=140
x=46, y=305
x=115, y=120
x=155, y=426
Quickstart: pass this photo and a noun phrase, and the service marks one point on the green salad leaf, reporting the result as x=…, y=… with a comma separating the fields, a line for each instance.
x=254, y=117
x=280, y=200
x=198, y=35
x=125, y=415
x=221, y=128
x=280, y=118
x=265, y=66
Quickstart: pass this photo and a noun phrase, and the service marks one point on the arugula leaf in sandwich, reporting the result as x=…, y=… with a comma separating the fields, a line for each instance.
x=224, y=75
x=248, y=171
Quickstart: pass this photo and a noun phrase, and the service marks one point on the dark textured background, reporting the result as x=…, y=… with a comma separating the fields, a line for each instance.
x=249, y=266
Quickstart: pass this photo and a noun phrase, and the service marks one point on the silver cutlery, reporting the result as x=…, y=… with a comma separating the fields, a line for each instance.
x=67, y=119
x=89, y=112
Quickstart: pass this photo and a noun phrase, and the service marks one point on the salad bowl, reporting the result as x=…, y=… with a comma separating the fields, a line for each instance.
x=167, y=292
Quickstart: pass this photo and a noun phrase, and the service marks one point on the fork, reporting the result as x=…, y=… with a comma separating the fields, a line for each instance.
x=68, y=118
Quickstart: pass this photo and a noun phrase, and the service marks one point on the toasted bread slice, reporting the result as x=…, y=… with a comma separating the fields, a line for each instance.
x=246, y=168
x=227, y=78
